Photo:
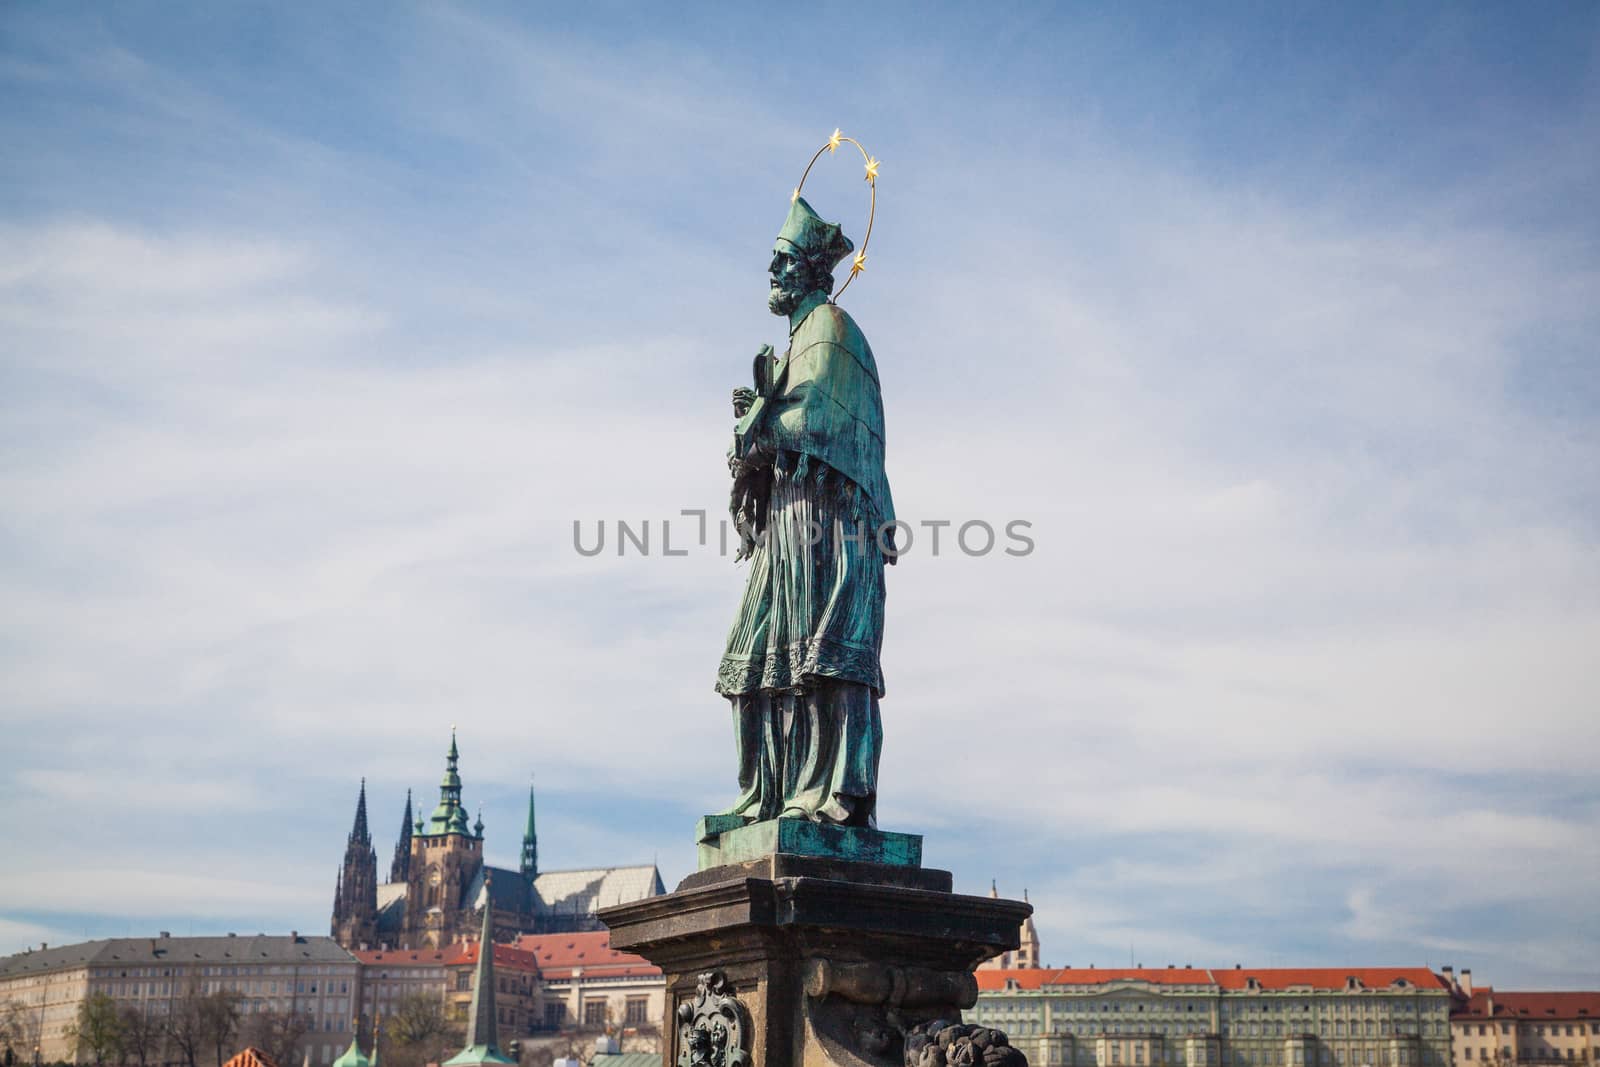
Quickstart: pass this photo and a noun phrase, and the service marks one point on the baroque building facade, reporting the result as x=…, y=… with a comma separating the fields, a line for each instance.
x=153, y=976
x=1502, y=1028
x=439, y=881
x=1196, y=1017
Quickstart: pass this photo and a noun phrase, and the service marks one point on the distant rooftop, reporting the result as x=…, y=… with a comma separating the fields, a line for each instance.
x=129, y=951
x=1498, y=1004
x=1272, y=979
x=559, y=955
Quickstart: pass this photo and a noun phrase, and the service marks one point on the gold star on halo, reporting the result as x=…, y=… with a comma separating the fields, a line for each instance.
x=872, y=170
x=859, y=264
x=794, y=195
x=833, y=142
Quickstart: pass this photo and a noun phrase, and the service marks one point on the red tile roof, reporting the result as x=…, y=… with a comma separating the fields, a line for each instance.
x=559, y=955
x=457, y=955
x=1025, y=977
x=1268, y=978
x=1153, y=975
x=507, y=956
x=251, y=1057
x=399, y=957
x=1038, y=977
x=1530, y=1006
x=1278, y=978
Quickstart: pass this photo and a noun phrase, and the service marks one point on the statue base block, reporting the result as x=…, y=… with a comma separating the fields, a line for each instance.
x=789, y=959
x=727, y=839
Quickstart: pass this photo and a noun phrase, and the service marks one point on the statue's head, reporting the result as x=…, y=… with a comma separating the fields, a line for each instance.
x=803, y=257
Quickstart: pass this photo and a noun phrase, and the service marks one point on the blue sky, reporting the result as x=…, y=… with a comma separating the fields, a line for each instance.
x=317, y=332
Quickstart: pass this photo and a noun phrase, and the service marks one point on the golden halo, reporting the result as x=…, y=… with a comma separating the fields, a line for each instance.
x=831, y=145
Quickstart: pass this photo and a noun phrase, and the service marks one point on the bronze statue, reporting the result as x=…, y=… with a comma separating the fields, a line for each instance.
x=812, y=505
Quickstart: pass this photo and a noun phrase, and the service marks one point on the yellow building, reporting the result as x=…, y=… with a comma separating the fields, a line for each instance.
x=1500, y=1028
x=40, y=989
x=1195, y=1017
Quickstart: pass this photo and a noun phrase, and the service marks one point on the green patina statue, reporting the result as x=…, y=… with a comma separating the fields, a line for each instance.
x=812, y=506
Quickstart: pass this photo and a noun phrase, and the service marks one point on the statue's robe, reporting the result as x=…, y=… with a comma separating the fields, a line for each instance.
x=801, y=665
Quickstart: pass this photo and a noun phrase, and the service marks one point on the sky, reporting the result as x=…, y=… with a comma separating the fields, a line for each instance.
x=1276, y=323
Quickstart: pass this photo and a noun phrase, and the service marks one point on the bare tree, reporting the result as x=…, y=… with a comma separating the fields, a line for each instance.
x=219, y=1014
x=278, y=1034
x=142, y=1035
x=185, y=1024
x=419, y=1031
x=98, y=1029
x=19, y=1029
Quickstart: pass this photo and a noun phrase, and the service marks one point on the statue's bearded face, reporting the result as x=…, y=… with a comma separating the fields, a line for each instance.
x=791, y=281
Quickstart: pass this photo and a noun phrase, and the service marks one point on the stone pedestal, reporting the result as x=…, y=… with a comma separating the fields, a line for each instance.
x=799, y=945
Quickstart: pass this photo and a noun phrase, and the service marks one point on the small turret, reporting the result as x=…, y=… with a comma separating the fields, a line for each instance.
x=530, y=843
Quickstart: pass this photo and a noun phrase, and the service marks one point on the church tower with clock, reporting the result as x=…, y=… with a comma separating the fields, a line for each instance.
x=446, y=859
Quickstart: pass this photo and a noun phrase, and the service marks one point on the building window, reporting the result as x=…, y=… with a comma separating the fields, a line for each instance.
x=594, y=1013
x=463, y=982
x=555, y=1014
x=638, y=1011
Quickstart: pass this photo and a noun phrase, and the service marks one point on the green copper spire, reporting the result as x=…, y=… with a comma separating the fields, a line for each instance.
x=449, y=817
x=352, y=1056
x=483, y=1044
x=530, y=843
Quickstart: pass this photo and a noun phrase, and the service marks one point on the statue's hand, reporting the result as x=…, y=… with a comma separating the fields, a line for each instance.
x=742, y=399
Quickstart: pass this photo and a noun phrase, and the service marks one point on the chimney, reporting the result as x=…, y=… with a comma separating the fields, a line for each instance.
x=1466, y=980
x=166, y=934
x=43, y=945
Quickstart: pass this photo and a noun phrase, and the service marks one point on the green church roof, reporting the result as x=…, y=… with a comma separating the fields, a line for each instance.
x=352, y=1056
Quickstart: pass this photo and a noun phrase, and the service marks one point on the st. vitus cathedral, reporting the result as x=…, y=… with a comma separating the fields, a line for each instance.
x=438, y=882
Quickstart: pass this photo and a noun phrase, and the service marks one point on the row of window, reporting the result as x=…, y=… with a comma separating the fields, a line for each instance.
x=1555, y=1029
x=1138, y=1055
x=1545, y=1054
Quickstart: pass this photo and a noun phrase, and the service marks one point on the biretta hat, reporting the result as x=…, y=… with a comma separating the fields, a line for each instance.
x=807, y=232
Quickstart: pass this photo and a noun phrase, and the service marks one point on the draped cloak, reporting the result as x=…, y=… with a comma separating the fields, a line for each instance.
x=801, y=663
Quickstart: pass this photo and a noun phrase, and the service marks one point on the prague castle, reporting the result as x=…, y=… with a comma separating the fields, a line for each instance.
x=439, y=881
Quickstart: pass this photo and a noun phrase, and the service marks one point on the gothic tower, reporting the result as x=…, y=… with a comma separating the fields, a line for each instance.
x=446, y=854
x=400, y=866
x=355, y=900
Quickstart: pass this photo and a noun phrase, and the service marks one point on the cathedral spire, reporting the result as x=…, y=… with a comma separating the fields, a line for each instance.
x=400, y=866
x=483, y=1043
x=358, y=832
x=530, y=842
x=449, y=817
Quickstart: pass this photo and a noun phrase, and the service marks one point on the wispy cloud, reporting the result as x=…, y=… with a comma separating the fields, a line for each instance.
x=1299, y=670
